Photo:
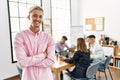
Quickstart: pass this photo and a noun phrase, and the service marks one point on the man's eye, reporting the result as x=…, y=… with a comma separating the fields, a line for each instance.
x=40, y=16
x=34, y=15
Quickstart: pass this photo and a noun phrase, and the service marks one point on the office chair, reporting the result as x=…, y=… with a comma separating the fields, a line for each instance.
x=90, y=73
x=104, y=66
x=19, y=70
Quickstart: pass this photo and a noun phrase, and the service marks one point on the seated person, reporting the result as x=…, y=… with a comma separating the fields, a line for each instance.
x=60, y=48
x=81, y=59
x=96, y=50
x=61, y=45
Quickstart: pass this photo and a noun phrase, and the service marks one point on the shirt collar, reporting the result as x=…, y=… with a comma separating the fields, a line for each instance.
x=92, y=45
x=33, y=32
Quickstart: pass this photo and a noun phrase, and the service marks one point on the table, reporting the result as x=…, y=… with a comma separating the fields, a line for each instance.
x=60, y=66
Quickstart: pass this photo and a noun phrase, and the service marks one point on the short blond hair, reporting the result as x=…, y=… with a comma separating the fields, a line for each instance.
x=35, y=8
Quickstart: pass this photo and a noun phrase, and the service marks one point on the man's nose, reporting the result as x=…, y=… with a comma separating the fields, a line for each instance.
x=37, y=18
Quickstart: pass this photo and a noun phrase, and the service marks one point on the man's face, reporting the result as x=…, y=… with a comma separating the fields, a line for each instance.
x=36, y=18
x=62, y=41
x=91, y=40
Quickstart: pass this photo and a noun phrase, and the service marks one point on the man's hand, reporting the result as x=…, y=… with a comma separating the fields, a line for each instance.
x=62, y=58
x=91, y=53
x=71, y=49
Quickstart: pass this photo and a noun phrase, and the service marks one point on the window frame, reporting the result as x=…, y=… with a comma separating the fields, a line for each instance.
x=70, y=16
x=10, y=27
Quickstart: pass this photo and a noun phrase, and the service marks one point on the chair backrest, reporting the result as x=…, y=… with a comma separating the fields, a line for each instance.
x=19, y=70
x=107, y=61
x=92, y=70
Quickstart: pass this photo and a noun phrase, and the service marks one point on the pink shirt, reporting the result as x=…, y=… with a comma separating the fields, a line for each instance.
x=29, y=48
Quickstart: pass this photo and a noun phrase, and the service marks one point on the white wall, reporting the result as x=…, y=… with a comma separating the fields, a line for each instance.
x=7, y=69
x=76, y=28
x=75, y=13
x=109, y=9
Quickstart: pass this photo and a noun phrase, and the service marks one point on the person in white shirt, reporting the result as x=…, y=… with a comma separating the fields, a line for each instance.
x=96, y=50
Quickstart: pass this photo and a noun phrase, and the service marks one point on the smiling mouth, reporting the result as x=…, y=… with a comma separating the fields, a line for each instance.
x=37, y=22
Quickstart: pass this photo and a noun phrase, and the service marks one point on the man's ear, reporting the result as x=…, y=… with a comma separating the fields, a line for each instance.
x=29, y=17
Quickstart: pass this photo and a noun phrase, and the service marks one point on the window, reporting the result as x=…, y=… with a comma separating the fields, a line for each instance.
x=18, y=10
x=60, y=10
x=60, y=19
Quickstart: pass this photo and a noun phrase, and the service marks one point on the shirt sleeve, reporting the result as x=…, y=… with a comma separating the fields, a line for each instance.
x=50, y=59
x=98, y=53
x=66, y=46
x=74, y=58
x=23, y=59
x=57, y=48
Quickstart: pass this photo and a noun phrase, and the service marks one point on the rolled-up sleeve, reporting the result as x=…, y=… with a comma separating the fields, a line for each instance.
x=74, y=58
x=23, y=59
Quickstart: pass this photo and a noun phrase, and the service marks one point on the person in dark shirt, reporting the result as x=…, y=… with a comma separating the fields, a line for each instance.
x=81, y=59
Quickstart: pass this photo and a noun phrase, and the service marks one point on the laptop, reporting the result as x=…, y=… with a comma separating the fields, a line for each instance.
x=64, y=53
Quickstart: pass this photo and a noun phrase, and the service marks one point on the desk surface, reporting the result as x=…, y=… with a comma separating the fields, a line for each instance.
x=60, y=66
